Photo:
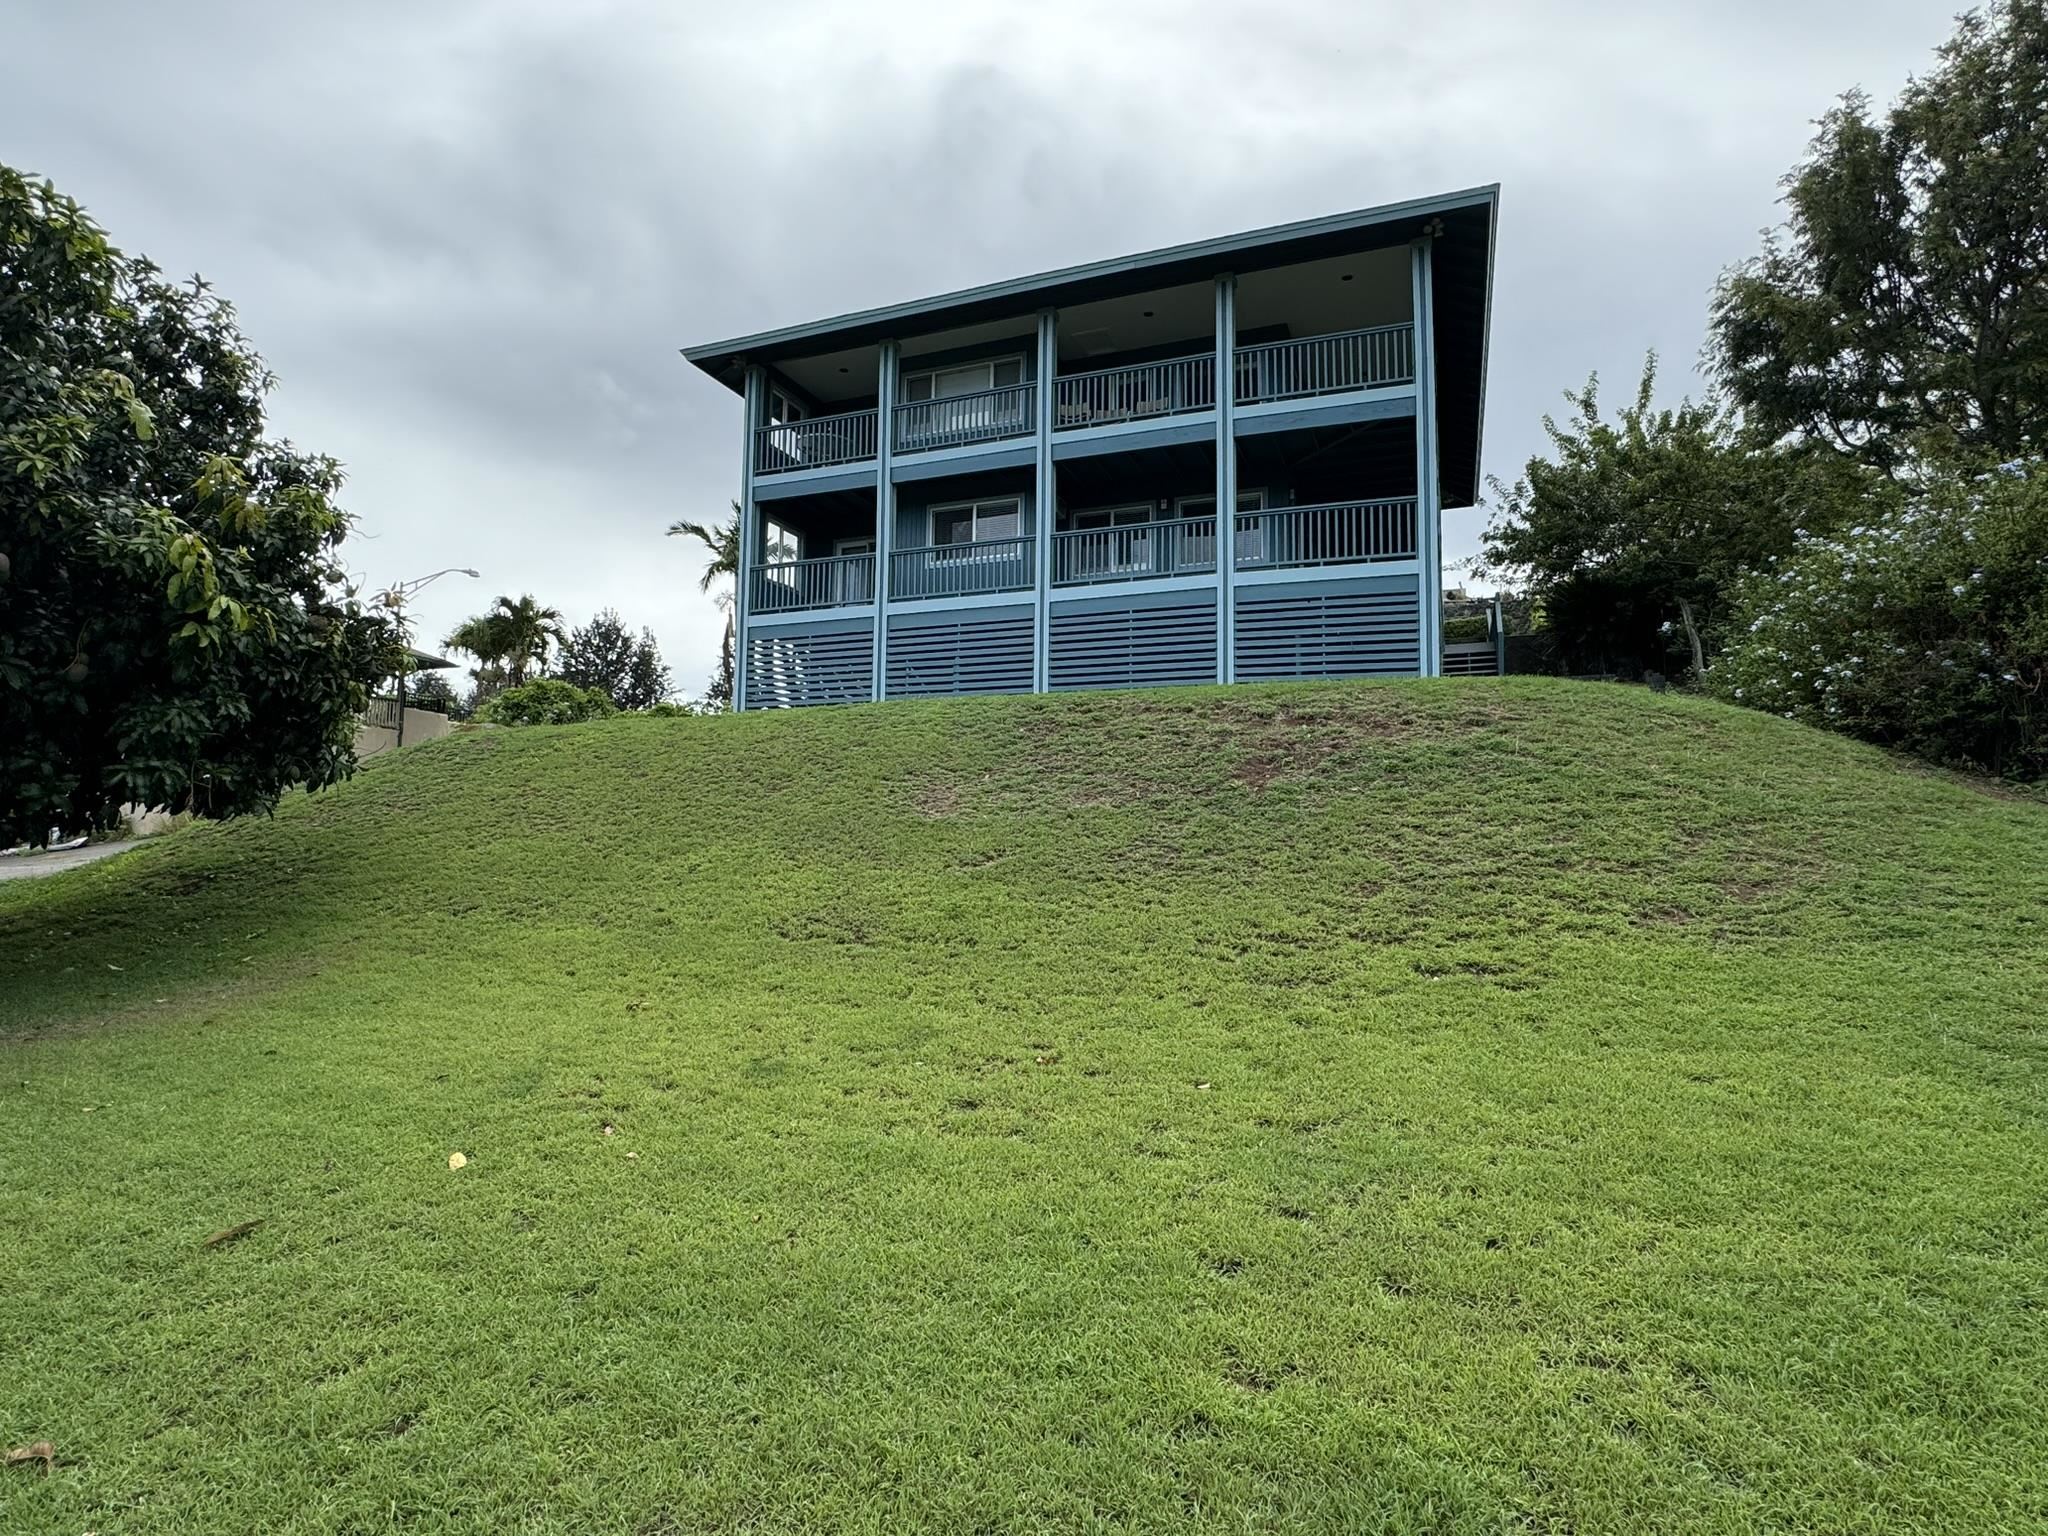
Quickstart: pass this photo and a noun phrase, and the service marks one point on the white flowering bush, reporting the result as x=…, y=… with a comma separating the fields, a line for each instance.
x=1925, y=628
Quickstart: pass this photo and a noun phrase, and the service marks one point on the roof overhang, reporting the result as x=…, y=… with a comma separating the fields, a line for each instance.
x=1462, y=280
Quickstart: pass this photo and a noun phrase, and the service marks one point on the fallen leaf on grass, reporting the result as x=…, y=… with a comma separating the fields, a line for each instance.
x=1201, y=1087
x=457, y=1160
x=229, y=1234
x=41, y=1451
x=632, y=1157
x=113, y=967
x=610, y=1130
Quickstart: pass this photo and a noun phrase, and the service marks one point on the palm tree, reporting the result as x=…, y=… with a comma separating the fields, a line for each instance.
x=722, y=541
x=529, y=630
x=507, y=639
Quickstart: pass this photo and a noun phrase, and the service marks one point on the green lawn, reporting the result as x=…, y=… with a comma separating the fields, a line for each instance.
x=1426, y=1107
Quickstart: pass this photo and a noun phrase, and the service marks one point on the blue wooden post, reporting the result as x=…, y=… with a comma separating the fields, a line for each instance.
x=750, y=514
x=1226, y=472
x=886, y=376
x=1428, y=512
x=1046, y=499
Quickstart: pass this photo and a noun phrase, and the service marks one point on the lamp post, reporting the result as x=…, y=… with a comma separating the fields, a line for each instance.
x=394, y=598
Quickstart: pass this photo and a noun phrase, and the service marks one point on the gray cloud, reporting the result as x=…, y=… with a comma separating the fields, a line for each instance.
x=470, y=238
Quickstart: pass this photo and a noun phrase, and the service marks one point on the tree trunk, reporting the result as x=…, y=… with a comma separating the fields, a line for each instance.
x=1692, y=634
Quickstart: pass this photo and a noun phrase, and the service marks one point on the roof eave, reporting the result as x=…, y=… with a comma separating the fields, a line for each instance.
x=716, y=358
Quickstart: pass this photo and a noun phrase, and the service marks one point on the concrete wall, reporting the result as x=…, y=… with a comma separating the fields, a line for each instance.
x=420, y=725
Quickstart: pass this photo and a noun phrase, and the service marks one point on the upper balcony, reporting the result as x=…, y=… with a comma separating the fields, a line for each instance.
x=1136, y=368
x=1343, y=362
x=1337, y=319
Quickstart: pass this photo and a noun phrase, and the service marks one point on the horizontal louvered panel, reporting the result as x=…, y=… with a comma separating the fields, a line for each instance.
x=786, y=670
x=1134, y=647
x=972, y=656
x=1327, y=635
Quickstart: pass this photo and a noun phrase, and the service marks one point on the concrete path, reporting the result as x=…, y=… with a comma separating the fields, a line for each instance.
x=24, y=866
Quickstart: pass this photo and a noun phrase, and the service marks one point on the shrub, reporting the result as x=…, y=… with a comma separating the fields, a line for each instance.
x=1468, y=628
x=1925, y=629
x=546, y=701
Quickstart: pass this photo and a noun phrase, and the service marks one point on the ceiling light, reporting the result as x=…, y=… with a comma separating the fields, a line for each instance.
x=1148, y=314
x=1345, y=278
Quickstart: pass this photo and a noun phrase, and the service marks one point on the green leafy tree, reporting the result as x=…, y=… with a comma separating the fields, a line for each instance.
x=1901, y=314
x=606, y=655
x=1923, y=628
x=1630, y=532
x=176, y=630
x=430, y=690
x=721, y=543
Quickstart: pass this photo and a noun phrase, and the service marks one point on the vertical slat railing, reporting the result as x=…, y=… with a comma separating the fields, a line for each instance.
x=960, y=570
x=821, y=441
x=1134, y=552
x=1324, y=365
x=1105, y=396
x=835, y=581
x=1334, y=533
x=959, y=419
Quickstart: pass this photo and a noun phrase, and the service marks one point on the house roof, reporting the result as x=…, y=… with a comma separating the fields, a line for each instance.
x=1461, y=268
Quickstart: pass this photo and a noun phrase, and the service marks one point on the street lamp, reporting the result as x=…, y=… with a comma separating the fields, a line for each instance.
x=394, y=599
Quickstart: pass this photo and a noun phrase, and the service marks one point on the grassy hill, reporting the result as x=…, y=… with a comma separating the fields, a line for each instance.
x=1425, y=1107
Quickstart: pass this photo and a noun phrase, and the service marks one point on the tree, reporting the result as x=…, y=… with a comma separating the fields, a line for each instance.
x=507, y=639
x=722, y=541
x=1924, y=628
x=1901, y=314
x=1630, y=536
x=604, y=654
x=176, y=630
x=430, y=690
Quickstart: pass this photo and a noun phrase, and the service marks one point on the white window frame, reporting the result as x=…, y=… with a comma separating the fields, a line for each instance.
x=1250, y=543
x=1130, y=551
x=975, y=507
x=988, y=364
x=847, y=587
x=794, y=410
x=1257, y=498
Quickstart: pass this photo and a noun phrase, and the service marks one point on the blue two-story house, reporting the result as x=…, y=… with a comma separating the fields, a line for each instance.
x=1225, y=461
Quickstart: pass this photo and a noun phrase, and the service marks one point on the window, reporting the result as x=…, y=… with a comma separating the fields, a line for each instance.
x=1205, y=506
x=1251, y=529
x=962, y=379
x=853, y=581
x=783, y=407
x=977, y=522
x=1121, y=542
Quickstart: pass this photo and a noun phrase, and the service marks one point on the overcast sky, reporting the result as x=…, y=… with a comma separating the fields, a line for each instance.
x=470, y=237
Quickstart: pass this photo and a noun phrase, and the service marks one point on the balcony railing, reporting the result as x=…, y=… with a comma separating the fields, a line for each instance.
x=1137, y=393
x=836, y=581
x=958, y=419
x=816, y=443
x=1325, y=365
x=956, y=570
x=1085, y=556
x=1336, y=533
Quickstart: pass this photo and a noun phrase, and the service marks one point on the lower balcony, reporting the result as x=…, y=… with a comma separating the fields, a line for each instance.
x=961, y=570
x=1283, y=538
x=791, y=586
x=1277, y=539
